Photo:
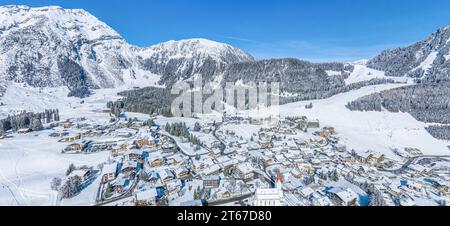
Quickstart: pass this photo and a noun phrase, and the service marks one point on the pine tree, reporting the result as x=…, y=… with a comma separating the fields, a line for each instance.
x=197, y=127
x=109, y=190
x=70, y=169
x=72, y=187
x=55, y=183
x=167, y=128
x=197, y=194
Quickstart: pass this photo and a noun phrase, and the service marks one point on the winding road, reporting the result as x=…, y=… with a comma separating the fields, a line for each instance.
x=233, y=199
x=412, y=160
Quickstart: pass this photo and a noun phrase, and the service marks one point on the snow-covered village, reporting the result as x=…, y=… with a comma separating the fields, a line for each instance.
x=236, y=161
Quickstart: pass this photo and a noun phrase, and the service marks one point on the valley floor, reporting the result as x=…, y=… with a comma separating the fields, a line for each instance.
x=29, y=162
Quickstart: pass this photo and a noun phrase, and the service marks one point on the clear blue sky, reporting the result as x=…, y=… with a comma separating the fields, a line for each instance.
x=318, y=30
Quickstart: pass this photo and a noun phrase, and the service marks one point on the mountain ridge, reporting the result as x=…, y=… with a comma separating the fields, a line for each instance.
x=427, y=60
x=53, y=46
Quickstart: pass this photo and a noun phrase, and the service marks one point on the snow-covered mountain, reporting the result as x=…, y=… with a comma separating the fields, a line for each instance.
x=428, y=59
x=56, y=47
x=52, y=47
x=182, y=59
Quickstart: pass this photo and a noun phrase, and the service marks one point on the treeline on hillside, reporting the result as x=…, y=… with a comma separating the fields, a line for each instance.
x=333, y=91
x=439, y=132
x=426, y=102
x=29, y=120
x=153, y=100
x=75, y=77
x=295, y=76
x=148, y=100
x=397, y=62
x=182, y=68
x=2, y=89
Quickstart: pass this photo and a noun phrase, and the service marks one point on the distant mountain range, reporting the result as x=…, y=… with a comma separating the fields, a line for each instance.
x=53, y=47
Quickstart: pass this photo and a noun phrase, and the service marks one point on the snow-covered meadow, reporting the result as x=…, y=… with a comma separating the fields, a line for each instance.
x=29, y=162
x=379, y=131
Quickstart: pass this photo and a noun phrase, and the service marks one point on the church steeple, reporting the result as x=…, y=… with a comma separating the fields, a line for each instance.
x=278, y=180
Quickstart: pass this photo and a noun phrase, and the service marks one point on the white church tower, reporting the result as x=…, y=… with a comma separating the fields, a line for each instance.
x=270, y=196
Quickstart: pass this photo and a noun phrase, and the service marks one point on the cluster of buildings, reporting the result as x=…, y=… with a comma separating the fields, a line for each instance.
x=294, y=162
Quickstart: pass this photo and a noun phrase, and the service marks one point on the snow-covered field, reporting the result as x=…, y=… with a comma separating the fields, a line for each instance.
x=29, y=162
x=19, y=97
x=246, y=131
x=379, y=131
x=363, y=73
x=428, y=62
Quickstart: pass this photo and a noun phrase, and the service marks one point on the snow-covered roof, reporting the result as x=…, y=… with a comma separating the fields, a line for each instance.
x=176, y=158
x=129, y=164
x=80, y=173
x=307, y=191
x=414, y=184
x=346, y=195
x=126, y=130
x=320, y=200
x=256, y=154
x=192, y=203
x=110, y=168
x=180, y=170
x=268, y=194
x=230, y=163
x=211, y=169
x=211, y=178
x=147, y=195
x=418, y=168
x=165, y=173
x=207, y=161
x=245, y=168
x=407, y=202
x=153, y=175
x=223, y=159
x=307, y=150
x=136, y=152
x=154, y=158
x=280, y=158
x=120, y=182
